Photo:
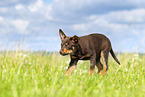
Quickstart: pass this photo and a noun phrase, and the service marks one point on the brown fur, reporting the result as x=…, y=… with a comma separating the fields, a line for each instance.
x=91, y=47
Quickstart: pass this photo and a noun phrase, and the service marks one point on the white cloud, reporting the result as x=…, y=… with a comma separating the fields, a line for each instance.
x=3, y=9
x=48, y=13
x=81, y=27
x=136, y=15
x=114, y=21
x=95, y=6
x=39, y=9
x=19, y=7
x=14, y=2
x=36, y=6
x=21, y=26
x=1, y=19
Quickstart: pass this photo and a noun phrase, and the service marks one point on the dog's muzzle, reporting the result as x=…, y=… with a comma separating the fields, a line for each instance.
x=65, y=51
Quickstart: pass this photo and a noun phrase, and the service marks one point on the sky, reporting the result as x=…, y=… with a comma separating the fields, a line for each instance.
x=33, y=25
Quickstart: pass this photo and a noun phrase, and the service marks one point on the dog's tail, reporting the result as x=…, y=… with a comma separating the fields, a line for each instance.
x=114, y=56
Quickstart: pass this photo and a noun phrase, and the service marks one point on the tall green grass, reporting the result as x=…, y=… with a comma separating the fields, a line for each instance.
x=24, y=74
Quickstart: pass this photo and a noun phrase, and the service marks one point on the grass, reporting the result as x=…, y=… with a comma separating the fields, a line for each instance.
x=24, y=74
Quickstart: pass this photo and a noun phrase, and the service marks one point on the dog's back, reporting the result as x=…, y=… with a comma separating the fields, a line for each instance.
x=97, y=42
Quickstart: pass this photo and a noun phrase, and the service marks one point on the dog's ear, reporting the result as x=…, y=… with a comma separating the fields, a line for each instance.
x=62, y=35
x=74, y=39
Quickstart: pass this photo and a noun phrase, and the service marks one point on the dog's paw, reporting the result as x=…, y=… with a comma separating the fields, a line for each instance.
x=67, y=74
x=102, y=72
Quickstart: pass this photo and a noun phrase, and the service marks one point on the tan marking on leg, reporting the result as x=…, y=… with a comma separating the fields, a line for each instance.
x=74, y=57
x=102, y=72
x=69, y=71
x=98, y=65
x=85, y=56
x=91, y=72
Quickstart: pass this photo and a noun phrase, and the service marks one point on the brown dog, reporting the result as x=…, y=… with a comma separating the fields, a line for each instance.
x=91, y=47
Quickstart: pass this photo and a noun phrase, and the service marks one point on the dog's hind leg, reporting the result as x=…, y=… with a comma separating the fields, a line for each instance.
x=99, y=66
x=104, y=56
x=72, y=66
x=92, y=65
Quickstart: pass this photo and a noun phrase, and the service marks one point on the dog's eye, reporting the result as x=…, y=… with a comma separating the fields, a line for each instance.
x=67, y=44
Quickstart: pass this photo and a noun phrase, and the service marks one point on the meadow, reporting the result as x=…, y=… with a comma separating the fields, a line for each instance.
x=29, y=74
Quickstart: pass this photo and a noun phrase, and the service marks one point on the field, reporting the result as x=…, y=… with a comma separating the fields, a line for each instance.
x=28, y=74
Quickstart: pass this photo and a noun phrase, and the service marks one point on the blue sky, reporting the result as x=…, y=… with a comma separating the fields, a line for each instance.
x=33, y=24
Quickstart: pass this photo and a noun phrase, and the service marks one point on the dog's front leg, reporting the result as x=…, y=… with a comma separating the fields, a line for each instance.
x=71, y=67
x=85, y=56
x=92, y=65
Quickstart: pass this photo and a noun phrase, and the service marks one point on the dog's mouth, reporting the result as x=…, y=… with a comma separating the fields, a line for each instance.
x=66, y=52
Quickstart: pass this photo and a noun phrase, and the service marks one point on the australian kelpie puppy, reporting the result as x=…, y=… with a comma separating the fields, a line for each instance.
x=92, y=47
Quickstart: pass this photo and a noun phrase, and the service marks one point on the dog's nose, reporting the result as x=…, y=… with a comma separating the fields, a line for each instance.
x=61, y=51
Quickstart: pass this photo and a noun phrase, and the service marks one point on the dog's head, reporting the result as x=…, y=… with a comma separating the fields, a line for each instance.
x=68, y=44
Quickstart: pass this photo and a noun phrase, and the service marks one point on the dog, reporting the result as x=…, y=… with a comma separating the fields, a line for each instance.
x=92, y=47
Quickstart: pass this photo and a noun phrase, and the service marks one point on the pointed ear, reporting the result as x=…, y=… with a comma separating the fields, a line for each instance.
x=62, y=35
x=74, y=39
